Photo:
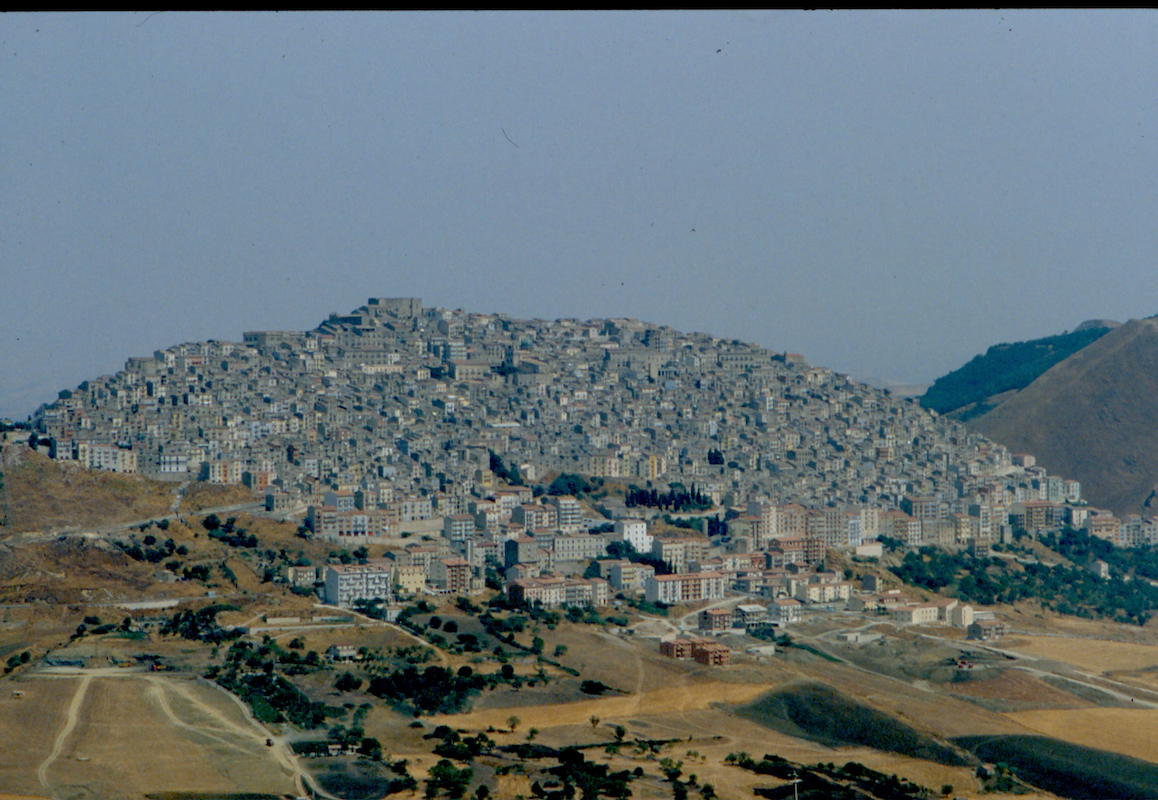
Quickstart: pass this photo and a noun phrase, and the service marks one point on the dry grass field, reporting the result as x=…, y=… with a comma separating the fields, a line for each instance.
x=45, y=495
x=683, y=698
x=1130, y=731
x=199, y=496
x=1016, y=687
x=130, y=734
x=926, y=710
x=1094, y=655
x=28, y=727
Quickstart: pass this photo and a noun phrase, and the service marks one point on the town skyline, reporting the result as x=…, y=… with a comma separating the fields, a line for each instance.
x=887, y=193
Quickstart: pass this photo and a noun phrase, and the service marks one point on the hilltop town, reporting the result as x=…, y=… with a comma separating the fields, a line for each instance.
x=524, y=507
x=397, y=419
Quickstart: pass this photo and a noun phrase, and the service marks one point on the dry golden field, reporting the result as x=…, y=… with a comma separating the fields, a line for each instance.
x=1131, y=731
x=125, y=735
x=1094, y=655
x=29, y=723
x=1015, y=686
x=199, y=496
x=688, y=697
x=45, y=495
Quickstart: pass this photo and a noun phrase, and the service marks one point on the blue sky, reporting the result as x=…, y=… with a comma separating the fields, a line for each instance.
x=887, y=193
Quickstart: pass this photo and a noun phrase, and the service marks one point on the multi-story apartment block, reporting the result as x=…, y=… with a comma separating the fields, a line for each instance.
x=686, y=588
x=552, y=591
x=458, y=527
x=570, y=514
x=450, y=575
x=346, y=583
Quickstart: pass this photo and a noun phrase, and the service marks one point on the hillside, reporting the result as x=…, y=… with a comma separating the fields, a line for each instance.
x=970, y=390
x=41, y=494
x=1091, y=417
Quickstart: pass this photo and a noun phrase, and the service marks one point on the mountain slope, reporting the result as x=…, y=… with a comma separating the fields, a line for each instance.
x=1092, y=417
x=1006, y=367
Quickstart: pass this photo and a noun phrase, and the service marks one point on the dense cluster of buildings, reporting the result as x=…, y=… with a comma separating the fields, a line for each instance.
x=398, y=418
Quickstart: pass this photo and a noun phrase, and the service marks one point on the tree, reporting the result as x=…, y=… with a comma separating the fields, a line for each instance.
x=513, y=722
x=347, y=683
x=211, y=523
x=443, y=775
x=620, y=732
x=532, y=733
x=671, y=769
x=560, y=650
x=594, y=720
x=371, y=747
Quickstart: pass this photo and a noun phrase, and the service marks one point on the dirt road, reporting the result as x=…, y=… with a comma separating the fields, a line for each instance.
x=62, y=736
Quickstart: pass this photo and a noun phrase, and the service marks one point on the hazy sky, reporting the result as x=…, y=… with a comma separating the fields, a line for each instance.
x=886, y=193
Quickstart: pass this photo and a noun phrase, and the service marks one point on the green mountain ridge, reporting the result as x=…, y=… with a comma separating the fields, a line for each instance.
x=1091, y=417
x=1006, y=367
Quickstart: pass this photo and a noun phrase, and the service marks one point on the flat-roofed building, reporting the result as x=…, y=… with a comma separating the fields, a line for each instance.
x=786, y=611
x=715, y=620
x=409, y=579
x=627, y=576
x=689, y=587
x=711, y=654
x=458, y=527
x=346, y=583
x=581, y=547
x=551, y=591
x=451, y=575
x=916, y=614
x=749, y=615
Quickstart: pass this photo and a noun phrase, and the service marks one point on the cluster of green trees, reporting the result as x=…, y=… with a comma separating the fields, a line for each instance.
x=201, y=625
x=850, y=782
x=15, y=661
x=509, y=475
x=460, y=748
x=434, y=690
x=93, y=625
x=576, y=775
x=446, y=777
x=677, y=499
x=274, y=699
x=228, y=533
x=572, y=484
x=149, y=552
x=197, y=572
x=1082, y=548
x=1065, y=589
x=269, y=656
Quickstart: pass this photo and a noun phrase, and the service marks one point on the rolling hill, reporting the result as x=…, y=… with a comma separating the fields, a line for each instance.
x=1091, y=417
x=974, y=388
